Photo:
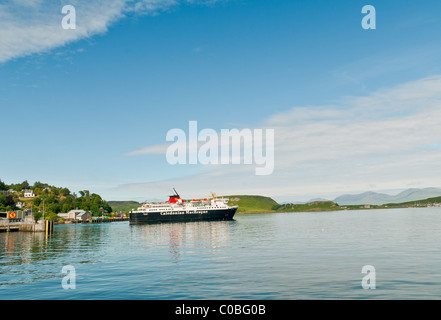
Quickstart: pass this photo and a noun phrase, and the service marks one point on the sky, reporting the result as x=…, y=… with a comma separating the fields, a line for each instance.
x=352, y=110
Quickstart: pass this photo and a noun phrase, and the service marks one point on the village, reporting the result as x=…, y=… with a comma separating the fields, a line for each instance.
x=29, y=209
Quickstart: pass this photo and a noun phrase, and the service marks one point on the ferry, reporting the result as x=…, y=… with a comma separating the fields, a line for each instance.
x=179, y=210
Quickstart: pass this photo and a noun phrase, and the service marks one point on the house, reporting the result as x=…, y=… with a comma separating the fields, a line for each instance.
x=20, y=205
x=79, y=215
x=29, y=194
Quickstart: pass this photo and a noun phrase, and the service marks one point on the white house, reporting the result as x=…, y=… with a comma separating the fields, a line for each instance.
x=29, y=194
x=20, y=205
x=76, y=215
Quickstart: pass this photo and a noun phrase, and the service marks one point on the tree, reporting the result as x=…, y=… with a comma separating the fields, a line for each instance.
x=54, y=208
x=3, y=186
x=20, y=186
x=85, y=194
x=6, y=201
x=64, y=192
x=106, y=206
x=2, y=200
x=40, y=185
x=66, y=207
x=37, y=202
x=56, y=199
x=95, y=209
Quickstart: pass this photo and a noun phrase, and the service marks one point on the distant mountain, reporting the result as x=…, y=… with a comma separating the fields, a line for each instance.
x=318, y=199
x=375, y=198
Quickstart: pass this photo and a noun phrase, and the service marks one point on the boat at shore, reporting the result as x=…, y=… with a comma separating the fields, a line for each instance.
x=179, y=210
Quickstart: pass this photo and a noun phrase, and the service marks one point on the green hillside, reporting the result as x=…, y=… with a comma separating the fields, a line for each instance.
x=51, y=199
x=252, y=203
x=311, y=206
x=266, y=204
x=125, y=206
x=424, y=202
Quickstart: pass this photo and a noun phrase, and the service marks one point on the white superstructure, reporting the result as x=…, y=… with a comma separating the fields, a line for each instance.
x=177, y=204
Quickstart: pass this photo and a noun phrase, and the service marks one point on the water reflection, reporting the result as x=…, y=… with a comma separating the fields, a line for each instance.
x=41, y=256
x=21, y=247
x=36, y=256
x=203, y=236
x=261, y=256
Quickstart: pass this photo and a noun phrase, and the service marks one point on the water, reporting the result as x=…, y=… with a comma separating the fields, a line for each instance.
x=257, y=256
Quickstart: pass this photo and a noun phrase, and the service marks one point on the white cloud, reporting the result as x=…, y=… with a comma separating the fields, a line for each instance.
x=28, y=29
x=34, y=26
x=156, y=149
x=385, y=139
x=28, y=3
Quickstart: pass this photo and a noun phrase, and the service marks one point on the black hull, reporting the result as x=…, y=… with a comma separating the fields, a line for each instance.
x=182, y=216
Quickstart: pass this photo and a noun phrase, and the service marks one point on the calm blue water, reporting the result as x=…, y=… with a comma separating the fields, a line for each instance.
x=257, y=256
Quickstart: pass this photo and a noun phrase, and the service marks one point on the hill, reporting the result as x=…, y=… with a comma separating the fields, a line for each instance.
x=53, y=200
x=310, y=206
x=125, y=206
x=415, y=203
x=252, y=203
x=375, y=198
x=265, y=204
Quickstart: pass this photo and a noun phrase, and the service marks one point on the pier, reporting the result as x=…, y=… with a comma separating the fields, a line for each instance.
x=105, y=220
x=96, y=220
x=28, y=225
x=24, y=221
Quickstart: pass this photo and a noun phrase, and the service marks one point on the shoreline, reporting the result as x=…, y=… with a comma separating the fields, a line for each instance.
x=352, y=209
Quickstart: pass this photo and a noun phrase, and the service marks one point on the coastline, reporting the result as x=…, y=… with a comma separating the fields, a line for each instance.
x=347, y=209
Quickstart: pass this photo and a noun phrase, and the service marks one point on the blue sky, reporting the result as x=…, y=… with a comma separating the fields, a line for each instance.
x=74, y=103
